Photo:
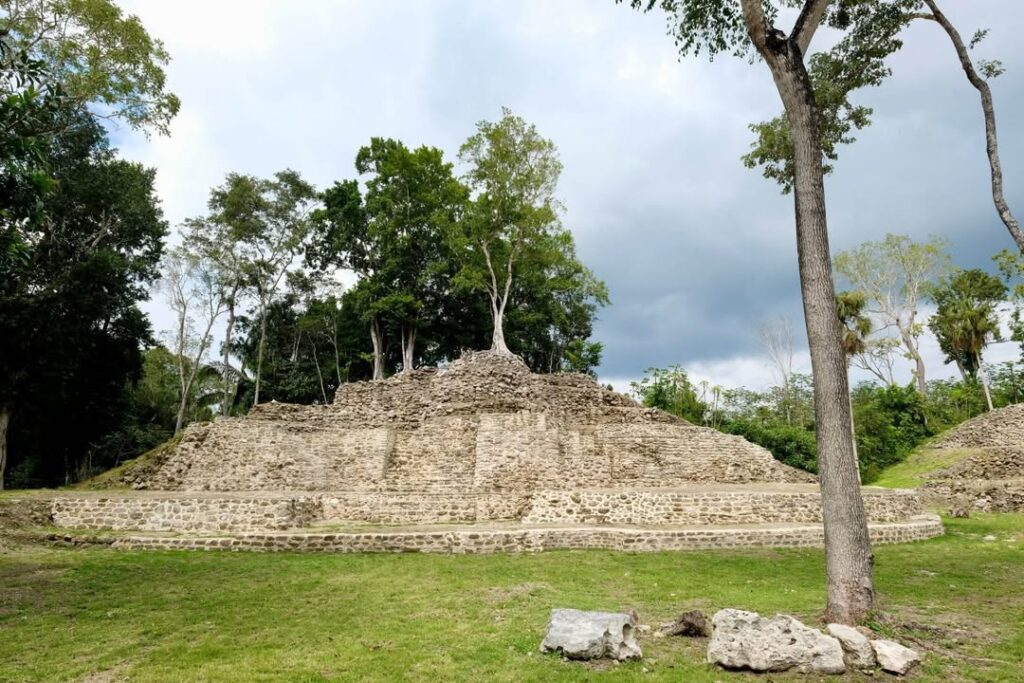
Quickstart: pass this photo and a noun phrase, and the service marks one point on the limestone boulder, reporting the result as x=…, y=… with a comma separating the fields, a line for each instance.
x=746, y=640
x=857, y=649
x=692, y=624
x=893, y=657
x=576, y=634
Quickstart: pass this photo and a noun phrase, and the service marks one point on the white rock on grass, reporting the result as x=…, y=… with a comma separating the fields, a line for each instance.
x=591, y=635
x=893, y=657
x=859, y=654
x=745, y=640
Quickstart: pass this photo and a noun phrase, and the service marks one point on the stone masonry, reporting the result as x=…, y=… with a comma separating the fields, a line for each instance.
x=481, y=456
x=484, y=424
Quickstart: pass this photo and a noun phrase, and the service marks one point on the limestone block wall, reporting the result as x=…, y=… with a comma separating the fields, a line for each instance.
x=531, y=540
x=184, y=513
x=650, y=507
x=659, y=508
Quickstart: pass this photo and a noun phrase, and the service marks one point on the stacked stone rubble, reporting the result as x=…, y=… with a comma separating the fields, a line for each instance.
x=484, y=424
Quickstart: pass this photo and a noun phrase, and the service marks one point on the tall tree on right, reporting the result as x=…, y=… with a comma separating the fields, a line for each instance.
x=513, y=220
x=966, y=320
x=719, y=26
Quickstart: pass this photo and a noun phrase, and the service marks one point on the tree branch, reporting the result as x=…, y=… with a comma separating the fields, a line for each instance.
x=991, y=141
x=808, y=22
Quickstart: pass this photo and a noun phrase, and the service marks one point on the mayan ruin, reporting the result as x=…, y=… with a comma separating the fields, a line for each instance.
x=480, y=456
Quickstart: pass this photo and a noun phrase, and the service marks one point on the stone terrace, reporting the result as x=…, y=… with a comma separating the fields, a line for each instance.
x=478, y=457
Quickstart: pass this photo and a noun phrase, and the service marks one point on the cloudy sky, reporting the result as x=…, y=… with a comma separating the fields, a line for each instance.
x=695, y=248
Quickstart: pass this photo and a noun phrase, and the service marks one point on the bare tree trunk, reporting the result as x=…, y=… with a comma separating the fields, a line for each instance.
x=498, y=344
x=987, y=108
x=319, y=375
x=408, y=349
x=259, y=353
x=848, y=555
x=228, y=332
x=983, y=376
x=5, y=421
x=911, y=346
x=378, y=351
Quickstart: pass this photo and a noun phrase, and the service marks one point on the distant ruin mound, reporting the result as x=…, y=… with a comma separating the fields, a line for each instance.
x=990, y=474
x=483, y=424
x=999, y=428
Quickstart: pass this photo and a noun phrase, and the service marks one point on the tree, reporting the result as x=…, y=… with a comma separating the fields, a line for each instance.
x=97, y=55
x=776, y=336
x=268, y=223
x=966, y=320
x=717, y=26
x=989, y=69
x=194, y=292
x=393, y=238
x=858, y=61
x=894, y=274
x=856, y=328
x=70, y=329
x=512, y=223
x=671, y=390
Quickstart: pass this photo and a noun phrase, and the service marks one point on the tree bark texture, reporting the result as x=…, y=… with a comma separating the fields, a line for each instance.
x=259, y=353
x=408, y=349
x=988, y=109
x=848, y=555
x=226, y=360
x=378, y=349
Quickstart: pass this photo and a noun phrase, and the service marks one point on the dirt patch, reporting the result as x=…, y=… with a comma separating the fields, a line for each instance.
x=502, y=594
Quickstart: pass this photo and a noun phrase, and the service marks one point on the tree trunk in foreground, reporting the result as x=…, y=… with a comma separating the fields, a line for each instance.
x=5, y=421
x=378, y=350
x=848, y=556
x=987, y=108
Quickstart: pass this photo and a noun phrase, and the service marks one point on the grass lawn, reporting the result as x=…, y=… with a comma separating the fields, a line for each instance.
x=911, y=472
x=106, y=615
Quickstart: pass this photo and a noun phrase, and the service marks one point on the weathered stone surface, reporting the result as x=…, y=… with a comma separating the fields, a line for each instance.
x=484, y=424
x=893, y=657
x=591, y=635
x=466, y=540
x=692, y=624
x=745, y=640
x=857, y=647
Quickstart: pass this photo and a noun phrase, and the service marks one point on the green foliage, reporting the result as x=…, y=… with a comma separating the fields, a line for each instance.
x=966, y=319
x=889, y=423
x=70, y=330
x=671, y=390
x=166, y=617
x=858, y=60
x=511, y=228
x=313, y=345
x=791, y=444
x=97, y=55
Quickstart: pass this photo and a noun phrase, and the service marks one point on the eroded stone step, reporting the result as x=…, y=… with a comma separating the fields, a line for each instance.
x=258, y=511
x=471, y=540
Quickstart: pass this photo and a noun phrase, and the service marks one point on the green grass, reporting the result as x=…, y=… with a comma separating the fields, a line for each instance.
x=911, y=472
x=106, y=615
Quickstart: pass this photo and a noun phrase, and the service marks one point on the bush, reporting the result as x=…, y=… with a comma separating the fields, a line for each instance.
x=789, y=444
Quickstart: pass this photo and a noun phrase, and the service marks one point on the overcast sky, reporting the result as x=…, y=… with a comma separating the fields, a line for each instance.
x=695, y=248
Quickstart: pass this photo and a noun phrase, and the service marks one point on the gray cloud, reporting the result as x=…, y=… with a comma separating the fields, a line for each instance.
x=695, y=248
